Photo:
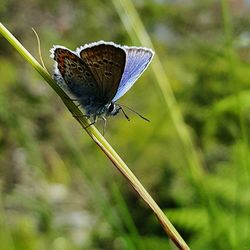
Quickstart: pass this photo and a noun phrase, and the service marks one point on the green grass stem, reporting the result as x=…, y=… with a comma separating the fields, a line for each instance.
x=244, y=155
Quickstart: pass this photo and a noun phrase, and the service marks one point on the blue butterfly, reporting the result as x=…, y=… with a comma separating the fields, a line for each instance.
x=99, y=73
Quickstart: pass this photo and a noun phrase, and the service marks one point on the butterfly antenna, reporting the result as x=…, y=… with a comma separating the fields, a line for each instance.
x=39, y=48
x=124, y=112
x=122, y=105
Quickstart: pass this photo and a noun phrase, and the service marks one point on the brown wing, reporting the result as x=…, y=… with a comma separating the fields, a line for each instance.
x=106, y=63
x=76, y=74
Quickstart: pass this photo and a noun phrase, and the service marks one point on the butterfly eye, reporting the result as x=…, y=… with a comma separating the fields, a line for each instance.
x=111, y=107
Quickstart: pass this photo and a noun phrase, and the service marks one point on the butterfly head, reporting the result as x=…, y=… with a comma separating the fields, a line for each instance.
x=112, y=109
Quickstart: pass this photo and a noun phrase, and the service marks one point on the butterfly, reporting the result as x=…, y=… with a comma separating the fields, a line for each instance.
x=99, y=73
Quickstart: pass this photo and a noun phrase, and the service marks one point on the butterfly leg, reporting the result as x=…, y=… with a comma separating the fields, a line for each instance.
x=92, y=123
x=80, y=116
x=104, y=124
x=71, y=99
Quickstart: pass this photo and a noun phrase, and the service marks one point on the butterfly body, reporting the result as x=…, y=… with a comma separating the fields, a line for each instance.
x=97, y=74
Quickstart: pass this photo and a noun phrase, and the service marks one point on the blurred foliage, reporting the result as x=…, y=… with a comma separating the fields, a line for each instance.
x=56, y=188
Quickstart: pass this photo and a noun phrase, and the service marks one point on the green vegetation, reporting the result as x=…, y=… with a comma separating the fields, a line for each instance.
x=58, y=191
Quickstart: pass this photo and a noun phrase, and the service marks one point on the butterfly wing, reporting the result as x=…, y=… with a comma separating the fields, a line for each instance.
x=74, y=75
x=137, y=60
x=106, y=62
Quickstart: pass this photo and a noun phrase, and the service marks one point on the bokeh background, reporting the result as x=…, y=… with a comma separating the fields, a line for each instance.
x=58, y=190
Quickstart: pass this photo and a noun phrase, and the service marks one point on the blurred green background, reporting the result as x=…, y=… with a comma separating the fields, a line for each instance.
x=58, y=190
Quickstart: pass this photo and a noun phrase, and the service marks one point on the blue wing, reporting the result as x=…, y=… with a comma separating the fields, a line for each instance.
x=137, y=60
